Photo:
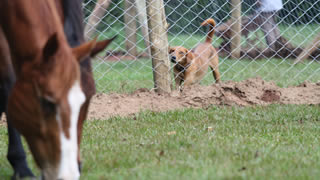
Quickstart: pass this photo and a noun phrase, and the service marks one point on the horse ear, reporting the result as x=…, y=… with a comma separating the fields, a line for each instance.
x=90, y=48
x=84, y=50
x=51, y=47
x=100, y=46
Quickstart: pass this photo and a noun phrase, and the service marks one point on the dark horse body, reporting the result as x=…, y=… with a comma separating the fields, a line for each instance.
x=73, y=27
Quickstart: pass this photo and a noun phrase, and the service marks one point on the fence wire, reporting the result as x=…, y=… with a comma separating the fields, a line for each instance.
x=279, y=46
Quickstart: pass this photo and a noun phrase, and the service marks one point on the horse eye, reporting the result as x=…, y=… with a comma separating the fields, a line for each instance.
x=48, y=105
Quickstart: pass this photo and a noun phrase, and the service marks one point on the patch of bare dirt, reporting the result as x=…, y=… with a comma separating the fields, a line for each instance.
x=254, y=91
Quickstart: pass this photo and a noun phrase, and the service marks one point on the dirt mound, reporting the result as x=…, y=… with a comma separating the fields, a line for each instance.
x=253, y=91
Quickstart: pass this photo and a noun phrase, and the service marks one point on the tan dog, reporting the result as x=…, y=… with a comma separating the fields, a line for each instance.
x=191, y=66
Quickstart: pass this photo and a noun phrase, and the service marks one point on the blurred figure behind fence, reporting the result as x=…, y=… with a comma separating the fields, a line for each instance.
x=265, y=17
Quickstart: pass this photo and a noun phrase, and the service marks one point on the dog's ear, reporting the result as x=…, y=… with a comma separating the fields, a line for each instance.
x=189, y=57
x=171, y=49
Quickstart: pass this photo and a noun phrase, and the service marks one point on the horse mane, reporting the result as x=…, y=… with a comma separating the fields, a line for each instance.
x=73, y=22
x=74, y=31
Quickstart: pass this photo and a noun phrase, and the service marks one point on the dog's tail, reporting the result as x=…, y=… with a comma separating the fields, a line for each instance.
x=212, y=24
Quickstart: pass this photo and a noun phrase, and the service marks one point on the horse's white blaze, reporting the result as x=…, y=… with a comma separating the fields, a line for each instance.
x=69, y=168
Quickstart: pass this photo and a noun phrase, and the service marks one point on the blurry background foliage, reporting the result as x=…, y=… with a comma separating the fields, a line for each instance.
x=184, y=16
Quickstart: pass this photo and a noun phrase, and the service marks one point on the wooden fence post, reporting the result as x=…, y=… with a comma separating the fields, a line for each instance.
x=130, y=27
x=236, y=29
x=159, y=46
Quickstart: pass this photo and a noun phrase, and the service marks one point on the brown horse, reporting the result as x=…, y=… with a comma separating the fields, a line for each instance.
x=48, y=102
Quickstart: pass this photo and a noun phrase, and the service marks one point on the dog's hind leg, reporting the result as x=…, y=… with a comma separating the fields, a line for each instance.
x=214, y=65
x=216, y=74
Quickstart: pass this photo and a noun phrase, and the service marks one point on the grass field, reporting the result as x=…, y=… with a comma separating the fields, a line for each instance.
x=274, y=142
x=127, y=76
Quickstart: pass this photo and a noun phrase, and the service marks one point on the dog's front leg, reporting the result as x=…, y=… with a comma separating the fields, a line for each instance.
x=178, y=80
x=177, y=83
x=188, y=82
x=189, y=78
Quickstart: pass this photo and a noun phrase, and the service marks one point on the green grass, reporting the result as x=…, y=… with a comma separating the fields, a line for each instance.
x=127, y=76
x=300, y=35
x=274, y=142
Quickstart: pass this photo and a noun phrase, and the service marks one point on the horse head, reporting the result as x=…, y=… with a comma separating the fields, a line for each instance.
x=45, y=104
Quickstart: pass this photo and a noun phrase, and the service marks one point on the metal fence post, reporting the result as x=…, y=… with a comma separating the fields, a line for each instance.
x=159, y=46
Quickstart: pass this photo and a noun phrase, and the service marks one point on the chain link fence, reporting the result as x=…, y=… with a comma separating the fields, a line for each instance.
x=279, y=46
